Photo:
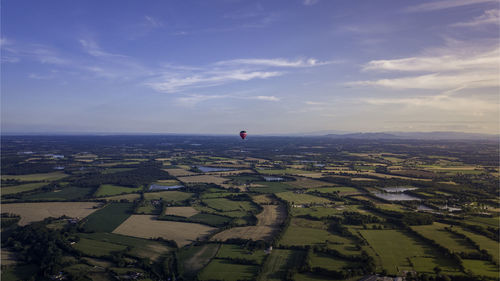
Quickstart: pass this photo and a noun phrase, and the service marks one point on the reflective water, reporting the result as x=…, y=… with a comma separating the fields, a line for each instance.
x=163, y=187
x=395, y=196
x=206, y=169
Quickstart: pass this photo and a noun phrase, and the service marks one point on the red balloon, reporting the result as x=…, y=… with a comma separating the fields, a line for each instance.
x=243, y=134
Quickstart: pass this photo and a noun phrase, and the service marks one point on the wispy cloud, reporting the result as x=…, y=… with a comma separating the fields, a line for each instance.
x=451, y=68
x=194, y=99
x=169, y=84
x=489, y=17
x=153, y=22
x=92, y=48
x=445, y=4
x=266, y=98
x=278, y=62
x=310, y=2
x=181, y=78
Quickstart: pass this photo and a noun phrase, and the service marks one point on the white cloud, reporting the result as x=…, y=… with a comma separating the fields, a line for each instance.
x=207, y=79
x=489, y=17
x=310, y=2
x=445, y=4
x=92, y=48
x=266, y=98
x=314, y=103
x=437, y=81
x=444, y=68
x=153, y=22
x=450, y=62
x=278, y=62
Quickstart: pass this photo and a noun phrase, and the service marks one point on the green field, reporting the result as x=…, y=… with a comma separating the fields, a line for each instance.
x=321, y=212
x=330, y=263
x=209, y=219
x=341, y=190
x=21, y=188
x=302, y=232
x=270, y=187
x=67, y=193
x=238, y=252
x=482, y=268
x=169, y=196
x=96, y=248
x=278, y=262
x=19, y=272
x=191, y=259
x=225, y=205
x=138, y=247
x=219, y=269
x=36, y=177
x=288, y=171
x=110, y=189
x=394, y=257
x=116, y=170
x=301, y=199
x=485, y=243
x=436, y=232
x=108, y=218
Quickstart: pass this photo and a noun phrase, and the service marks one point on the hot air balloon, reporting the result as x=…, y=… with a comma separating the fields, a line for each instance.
x=243, y=134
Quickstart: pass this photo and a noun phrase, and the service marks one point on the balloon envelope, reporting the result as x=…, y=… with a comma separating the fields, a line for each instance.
x=243, y=134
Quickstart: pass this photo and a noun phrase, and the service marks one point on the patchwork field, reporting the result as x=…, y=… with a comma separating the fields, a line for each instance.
x=110, y=189
x=203, y=179
x=66, y=193
x=300, y=198
x=436, y=232
x=279, y=260
x=181, y=211
x=179, y=172
x=108, y=218
x=36, y=177
x=21, y=188
x=219, y=269
x=31, y=212
x=395, y=257
x=193, y=258
x=169, y=196
x=146, y=226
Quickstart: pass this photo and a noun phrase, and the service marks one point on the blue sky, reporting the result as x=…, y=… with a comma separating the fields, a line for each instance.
x=269, y=67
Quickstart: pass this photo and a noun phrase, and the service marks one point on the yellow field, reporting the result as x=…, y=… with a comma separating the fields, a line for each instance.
x=264, y=199
x=31, y=212
x=203, y=179
x=268, y=219
x=179, y=172
x=146, y=226
x=181, y=211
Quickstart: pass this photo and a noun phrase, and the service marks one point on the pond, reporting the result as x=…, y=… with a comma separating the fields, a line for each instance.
x=398, y=189
x=206, y=169
x=163, y=187
x=274, y=179
x=395, y=196
x=422, y=207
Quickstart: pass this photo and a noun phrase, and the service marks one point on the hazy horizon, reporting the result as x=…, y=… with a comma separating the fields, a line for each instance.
x=271, y=67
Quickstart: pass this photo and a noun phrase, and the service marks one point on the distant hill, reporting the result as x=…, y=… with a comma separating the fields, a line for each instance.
x=417, y=135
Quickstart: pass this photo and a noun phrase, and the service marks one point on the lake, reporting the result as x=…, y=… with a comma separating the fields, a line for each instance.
x=398, y=189
x=206, y=169
x=273, y=179
x=395, y=196
x=163, y=187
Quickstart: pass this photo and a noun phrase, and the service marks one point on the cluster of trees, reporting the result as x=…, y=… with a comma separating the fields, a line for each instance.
x=134, y=178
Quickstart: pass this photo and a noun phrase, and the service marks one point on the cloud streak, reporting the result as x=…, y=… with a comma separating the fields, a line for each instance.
x=489, y=17
x=445, y=4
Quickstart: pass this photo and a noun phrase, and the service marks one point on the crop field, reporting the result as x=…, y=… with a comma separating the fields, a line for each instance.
x=301, y=198
x=219, y=269
x=67, y=193
x=36, y=177
x=263, y=199
x=304, y=232
x=394, y=256
x=278, y=262
x=482, y=268
x=138, y=247
x=95, y=248
x=210, y=219
x=245, y=232
x=485, y=243
x=193, y=258
x=108, y=218
x=31, y=212
x=271, y=215
x=288, y=171
x=446, y=239
x=21, y=188
x=110, y=189
x=224, y=205
x=330, y=263
x=238, y=252
x=181, y=211
x=179, y=172
x=203, y=179
x=301, y=182
x=270, y=187
x=146, y=226
x=169, y=196
x=129, y=197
